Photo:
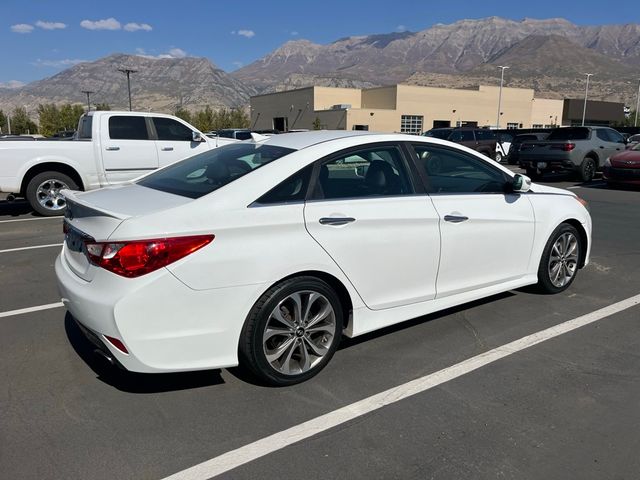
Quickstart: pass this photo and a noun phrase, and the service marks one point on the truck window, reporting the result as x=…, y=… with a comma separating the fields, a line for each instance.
x=128, y=128
x=169, y=129
x=84, y=127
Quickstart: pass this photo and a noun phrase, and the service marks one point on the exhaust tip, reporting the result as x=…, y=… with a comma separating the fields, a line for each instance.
x=11, y=198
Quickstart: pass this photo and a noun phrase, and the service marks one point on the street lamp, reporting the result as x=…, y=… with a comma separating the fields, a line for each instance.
x=128, y=72
x=502, y=69
x=586, y=94
x=635, y=123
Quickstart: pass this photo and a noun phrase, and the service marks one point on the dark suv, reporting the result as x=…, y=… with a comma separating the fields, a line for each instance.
x=481, y=140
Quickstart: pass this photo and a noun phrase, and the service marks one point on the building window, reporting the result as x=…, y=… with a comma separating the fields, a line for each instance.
x=360, y=127
x=512, y=126
x=441, y=124
x=536, y=125
x=411, y=124
x=550, y=126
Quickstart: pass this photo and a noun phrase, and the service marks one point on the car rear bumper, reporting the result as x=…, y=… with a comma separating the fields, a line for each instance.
x=541, y=164
x=165, y=325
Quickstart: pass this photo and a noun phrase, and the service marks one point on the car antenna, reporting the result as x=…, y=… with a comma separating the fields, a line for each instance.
x=257, y=138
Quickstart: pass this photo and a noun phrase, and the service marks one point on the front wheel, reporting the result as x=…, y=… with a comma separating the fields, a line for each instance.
x=43, y=193
x=560, y=259
x=292, y=331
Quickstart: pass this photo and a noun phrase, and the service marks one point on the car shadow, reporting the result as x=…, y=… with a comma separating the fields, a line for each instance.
x=350, y=342
x=15, y=209
x=135, y=382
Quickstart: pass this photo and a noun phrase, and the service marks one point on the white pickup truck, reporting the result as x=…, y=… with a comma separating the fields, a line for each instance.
x=109, y=148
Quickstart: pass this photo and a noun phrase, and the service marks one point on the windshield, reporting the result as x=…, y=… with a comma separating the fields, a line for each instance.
x=204, y=173
x=439, y=133
x=571, y=133
x=636, y=147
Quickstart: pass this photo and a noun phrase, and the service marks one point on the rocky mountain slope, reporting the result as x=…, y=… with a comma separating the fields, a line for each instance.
x=160, y=84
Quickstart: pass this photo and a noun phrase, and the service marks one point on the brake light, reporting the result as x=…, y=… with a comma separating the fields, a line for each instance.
x=138, y=257
x=565, y=147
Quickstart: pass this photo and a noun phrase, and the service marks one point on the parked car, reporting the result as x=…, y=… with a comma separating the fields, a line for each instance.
x=514, y=150
x=623, y=168
x=235, y=133
x=110, y=148
x=503, y=146
x=481, y=140
x=633, y=140
x=265, y=253
x=581, y=150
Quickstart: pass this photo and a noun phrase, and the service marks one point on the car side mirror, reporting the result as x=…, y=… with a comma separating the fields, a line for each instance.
x=196, y=137
x=520, y=183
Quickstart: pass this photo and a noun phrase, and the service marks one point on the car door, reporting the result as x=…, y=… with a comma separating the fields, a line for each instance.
x=382, y=233
x=615, y=142
x=487, y=234
x=174, y=141
x=127, y=149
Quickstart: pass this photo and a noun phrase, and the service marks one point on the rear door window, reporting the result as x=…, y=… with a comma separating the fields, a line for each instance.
x=169, y=129
x=128, y=128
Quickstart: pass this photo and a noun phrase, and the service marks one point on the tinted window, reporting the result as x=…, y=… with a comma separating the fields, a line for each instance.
x=462, y=136
x=84, y=127
x=243, y=135
x=293, y=189
x=570, y=133
x=128, y=128
x=505, y=137
x=450, y=171
x=615, y=136
x=486, y=135
x=439, y=133
x=603, y=135
x=204, y=173
x=377, y=171
x=168, y=129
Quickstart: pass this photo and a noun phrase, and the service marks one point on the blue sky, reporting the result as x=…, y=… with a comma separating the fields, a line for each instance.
x=42, y=37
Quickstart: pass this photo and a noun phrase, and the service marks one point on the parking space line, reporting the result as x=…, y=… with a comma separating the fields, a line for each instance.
x=247, y=453
x=29, y=219
x=30, y=248
x=22, y=311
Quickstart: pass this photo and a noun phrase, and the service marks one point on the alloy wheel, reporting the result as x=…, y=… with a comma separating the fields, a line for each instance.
x=49, y=196
x=563, y=261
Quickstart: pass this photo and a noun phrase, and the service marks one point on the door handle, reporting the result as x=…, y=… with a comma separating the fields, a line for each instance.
x=112, y=149
x=336, y=221
x=455, y=218
x=601, y=146
x=167, y=149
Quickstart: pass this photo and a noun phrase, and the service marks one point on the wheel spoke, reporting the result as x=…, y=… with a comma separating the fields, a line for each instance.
x=277, y=315
x=297, y=306
x=317, y=350
x=275, y=332
x=311, y=299
x=286, y=363
x=321, y=315
x=274, y=355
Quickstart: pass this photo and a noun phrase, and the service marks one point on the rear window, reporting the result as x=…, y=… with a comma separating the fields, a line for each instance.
x=442, y=134
x=577, y=133
x=204, y=173
x=84, y=127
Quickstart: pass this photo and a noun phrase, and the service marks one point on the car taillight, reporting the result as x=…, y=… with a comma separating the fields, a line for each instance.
x=139, y=257
x=565, y=147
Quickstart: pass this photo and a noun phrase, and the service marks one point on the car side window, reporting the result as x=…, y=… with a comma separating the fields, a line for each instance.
x=450, y=171
x=602, y=135
x=169, y=129
x=293, y=189
x=615, y=136
x=128, y=128
x=368, y=172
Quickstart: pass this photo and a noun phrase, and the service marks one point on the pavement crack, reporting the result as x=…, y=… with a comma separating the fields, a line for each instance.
x=472, y=330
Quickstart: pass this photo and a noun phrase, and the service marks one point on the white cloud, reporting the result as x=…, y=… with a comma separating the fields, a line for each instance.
x=238, y=64
x=401, y=28
x=12, y=84
x=50, y=25
x=244, y=33
x=66, y=62
x=134, y=27
x=294, y=34
x=22, y=28
x=141, y=51
x=172, y=53
x=105, y=24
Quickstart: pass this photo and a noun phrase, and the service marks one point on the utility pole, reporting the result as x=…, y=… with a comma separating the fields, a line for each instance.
x=128, y=72
x=635, y=123
x=88, y=93
x=586, y=94
x=502, y=69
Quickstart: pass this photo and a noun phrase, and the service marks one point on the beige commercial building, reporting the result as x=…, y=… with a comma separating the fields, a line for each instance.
x=401, y=108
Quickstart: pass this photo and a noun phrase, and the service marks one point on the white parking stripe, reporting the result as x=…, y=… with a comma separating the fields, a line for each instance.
x=280, y=440
x=30, y=219
x=21, y=311
x=30, y=248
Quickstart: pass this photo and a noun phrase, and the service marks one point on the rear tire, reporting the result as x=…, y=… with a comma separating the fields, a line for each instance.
x=587, y=169
x=43, y=193
x=498, y=157
x=560, y=259
x=292, y=331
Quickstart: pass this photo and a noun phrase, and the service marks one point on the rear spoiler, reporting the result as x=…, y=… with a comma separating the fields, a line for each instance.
x=77, y=208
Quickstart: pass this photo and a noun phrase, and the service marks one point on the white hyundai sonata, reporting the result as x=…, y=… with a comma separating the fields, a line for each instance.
x=264, y=253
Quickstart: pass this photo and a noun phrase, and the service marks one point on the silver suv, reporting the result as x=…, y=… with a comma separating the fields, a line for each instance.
x=582, y=150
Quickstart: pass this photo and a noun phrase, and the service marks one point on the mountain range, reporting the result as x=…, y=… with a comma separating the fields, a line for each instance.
x=549, y=55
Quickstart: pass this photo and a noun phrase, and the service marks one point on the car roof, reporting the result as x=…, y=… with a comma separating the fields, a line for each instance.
x=300, y=140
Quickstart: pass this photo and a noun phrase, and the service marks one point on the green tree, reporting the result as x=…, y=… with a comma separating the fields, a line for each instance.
x=102, y=106
x=205, y=120
x=3, y=123
x=21, y=123
x=69, y=116
x=49, y=118
x=317, y=124
x=183, y=113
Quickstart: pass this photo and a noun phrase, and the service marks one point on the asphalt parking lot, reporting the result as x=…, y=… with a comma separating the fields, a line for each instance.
x=568, y=407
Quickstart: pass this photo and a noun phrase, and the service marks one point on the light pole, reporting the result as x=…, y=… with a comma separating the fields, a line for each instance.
x=586, y=94
x=128, y=72
x=88, y=93
x=502, y=69
x=635, y=122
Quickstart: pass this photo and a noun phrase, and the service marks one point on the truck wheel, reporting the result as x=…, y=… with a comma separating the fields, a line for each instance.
x=43, y=193
x=498, y=157
x=587, y=169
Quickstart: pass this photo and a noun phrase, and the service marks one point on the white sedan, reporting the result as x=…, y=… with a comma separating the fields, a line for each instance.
x=264, y=253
